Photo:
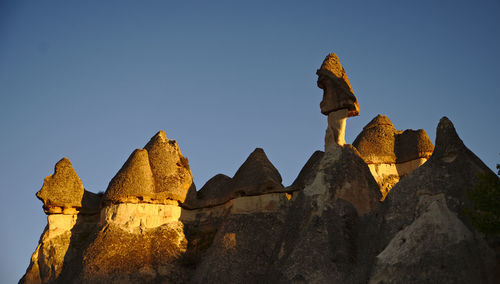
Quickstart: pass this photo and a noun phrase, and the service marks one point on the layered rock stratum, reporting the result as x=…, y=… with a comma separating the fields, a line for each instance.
x=387, y=209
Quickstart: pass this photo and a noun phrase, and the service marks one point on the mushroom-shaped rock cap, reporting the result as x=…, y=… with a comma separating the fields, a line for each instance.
x=381, y=143
x=171, y=172
x=133, y=182
x=337, y=91
x=257, y=175
x=62, y=189
x=376, y=142
x=412, y=145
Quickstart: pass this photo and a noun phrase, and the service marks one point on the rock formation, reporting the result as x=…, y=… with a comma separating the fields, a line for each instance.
x=331, y=225
x=392, y=154
x=338, y=101
x=424, y=236
x=256, y=176
x=73, y=215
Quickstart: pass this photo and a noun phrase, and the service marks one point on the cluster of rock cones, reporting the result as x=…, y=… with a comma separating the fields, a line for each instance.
x=387, y=209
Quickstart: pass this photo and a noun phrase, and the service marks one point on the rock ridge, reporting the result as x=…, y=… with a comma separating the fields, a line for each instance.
x=256, y=176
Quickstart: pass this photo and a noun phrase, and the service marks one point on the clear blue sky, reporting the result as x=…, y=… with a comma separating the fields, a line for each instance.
x=93, y=80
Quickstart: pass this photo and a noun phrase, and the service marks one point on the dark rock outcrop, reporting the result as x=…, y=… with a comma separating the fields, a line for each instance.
x=411, y=145
x=308, y=172
x=424, y=235
x=256, y=176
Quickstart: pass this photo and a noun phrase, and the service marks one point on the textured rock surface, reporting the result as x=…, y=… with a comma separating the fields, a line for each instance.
x=413, y=144
x=156, y=174
x=58, y=256
x=134, y=181
x=391, y=154
x=330, y=226
x=151, y=256
x=308, y=173
x=337, y=91
x=335, y=131
x=376, y=142
x=170, y=168
x=62, y=189
x=343, y=174
x=256, y=176
x=424, y=236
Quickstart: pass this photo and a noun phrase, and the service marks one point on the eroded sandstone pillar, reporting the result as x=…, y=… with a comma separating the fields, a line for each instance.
x=338, y=101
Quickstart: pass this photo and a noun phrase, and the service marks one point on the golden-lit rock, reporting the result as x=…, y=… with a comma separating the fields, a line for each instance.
x=171, y=172
x=390, y=153
x=63, y=188
x=337, y=91
x=133, y=182
x=376, y=142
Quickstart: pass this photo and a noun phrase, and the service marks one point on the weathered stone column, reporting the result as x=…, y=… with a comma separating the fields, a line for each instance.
x=338, y=101
x=335, y=131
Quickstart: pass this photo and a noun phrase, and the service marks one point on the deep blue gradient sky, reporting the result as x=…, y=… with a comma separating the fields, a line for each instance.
x=94, y=80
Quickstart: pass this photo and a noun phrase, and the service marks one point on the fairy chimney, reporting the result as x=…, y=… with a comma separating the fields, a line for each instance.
x=338, y=101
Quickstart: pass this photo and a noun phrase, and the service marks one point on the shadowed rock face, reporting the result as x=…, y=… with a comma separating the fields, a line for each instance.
x=62, y=189
x=337, y=91
x=308, y=173
x=411, y=145
x=424, y=236
x=256, y=176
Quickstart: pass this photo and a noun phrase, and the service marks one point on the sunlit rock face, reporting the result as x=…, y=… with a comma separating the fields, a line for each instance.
x=338, y=101
x=171, y=172
x=392, y=154
x=337, y=91
x=72, y=217
x=62, y=190
x=159, y=174
x=139, y=219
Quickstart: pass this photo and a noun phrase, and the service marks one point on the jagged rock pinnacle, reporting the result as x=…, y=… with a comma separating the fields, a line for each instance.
x=448, y=143
x=171, y=172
